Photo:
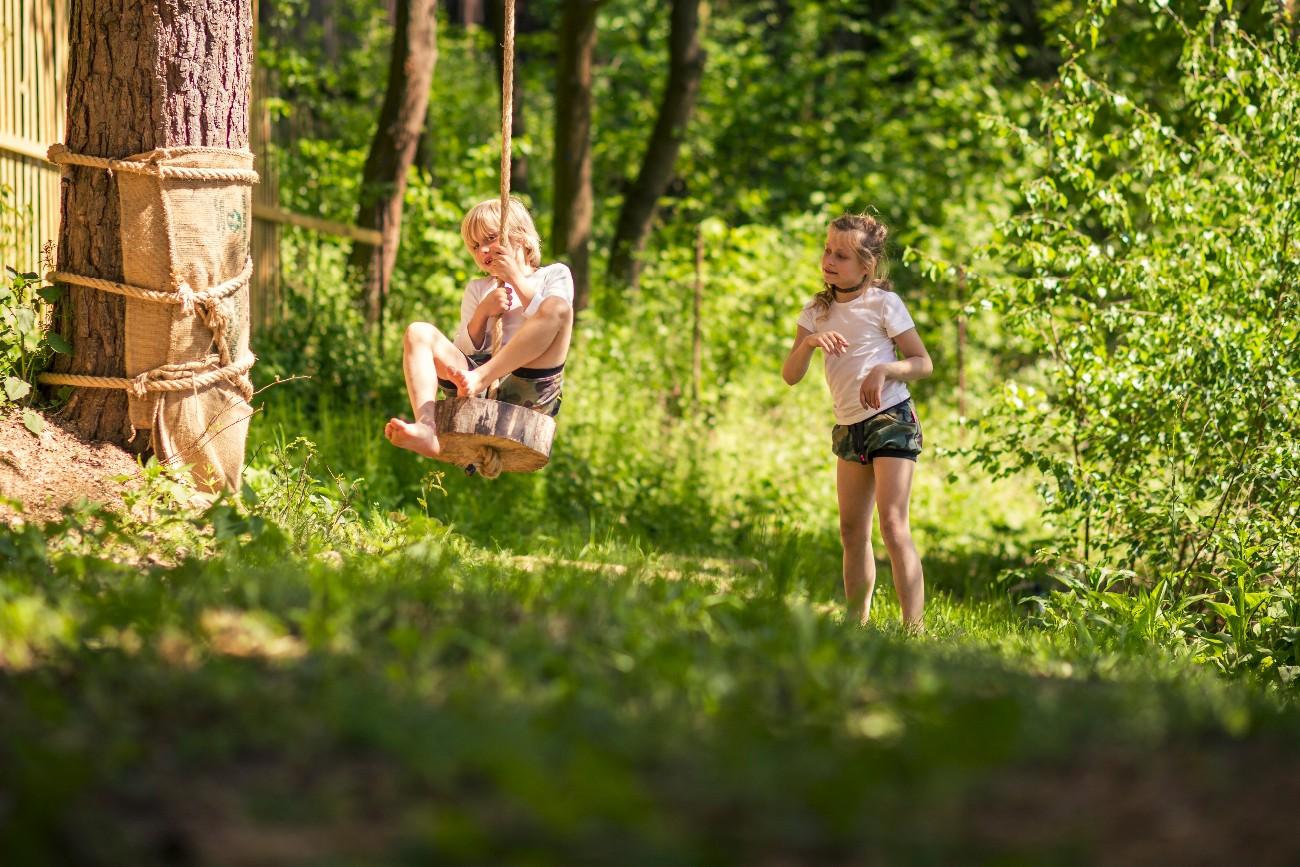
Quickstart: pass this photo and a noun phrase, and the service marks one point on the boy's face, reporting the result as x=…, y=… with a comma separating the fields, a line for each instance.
x=484, y=249
x=840, y=264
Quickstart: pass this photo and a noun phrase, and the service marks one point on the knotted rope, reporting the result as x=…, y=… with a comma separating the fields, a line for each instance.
x=60, y=155
x=487, y=462
x=184, y=376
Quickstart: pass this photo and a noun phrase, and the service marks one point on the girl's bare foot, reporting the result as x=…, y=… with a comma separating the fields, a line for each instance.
x=468, y=382
x=417, y=437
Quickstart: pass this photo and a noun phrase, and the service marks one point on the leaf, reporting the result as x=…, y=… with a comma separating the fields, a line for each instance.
x=57, y=343
x=34, y=422
x=16, y=389
x=50, y=293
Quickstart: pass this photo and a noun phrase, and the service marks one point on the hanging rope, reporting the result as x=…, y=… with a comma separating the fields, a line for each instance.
x=487, y=461
x=507, y=130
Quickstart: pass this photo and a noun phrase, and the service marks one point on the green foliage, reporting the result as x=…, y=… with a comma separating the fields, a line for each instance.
x=1158, y=267
x=568, y=704
x=26, y=342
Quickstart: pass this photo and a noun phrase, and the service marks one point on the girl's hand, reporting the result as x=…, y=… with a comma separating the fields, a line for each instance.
x=496, y=302
x=872, y=386
x=830, y=342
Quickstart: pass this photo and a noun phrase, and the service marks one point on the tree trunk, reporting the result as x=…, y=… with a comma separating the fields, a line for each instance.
x=571, y=226
x=686, y=65
x=523, y=24
x=141, y=75
x=401, y=120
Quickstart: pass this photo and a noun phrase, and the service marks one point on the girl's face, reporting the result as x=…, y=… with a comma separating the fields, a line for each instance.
x=841, y=266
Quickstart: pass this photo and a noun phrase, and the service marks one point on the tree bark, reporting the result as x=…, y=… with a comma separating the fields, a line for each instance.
x=571, y=224
x=141, y=75
x=523, y=24
x=685, y=66
x=401, y=120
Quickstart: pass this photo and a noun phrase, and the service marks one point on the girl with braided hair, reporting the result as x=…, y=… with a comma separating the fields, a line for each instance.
x=871, y=351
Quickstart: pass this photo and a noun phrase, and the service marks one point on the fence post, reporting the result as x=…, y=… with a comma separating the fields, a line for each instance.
x=961, y=354
x=696, y=338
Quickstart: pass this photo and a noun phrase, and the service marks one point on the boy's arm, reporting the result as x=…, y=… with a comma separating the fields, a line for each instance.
x=473, y=328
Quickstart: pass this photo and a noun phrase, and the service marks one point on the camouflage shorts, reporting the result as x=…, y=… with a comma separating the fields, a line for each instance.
x=539, y=389
x=892, y=433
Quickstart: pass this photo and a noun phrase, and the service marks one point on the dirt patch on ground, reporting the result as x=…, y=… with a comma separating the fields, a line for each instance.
x=49, y=471
x=1222, y=804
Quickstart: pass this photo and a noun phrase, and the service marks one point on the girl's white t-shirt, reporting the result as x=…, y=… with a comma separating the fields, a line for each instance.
x=869, y=323
x=550, y=281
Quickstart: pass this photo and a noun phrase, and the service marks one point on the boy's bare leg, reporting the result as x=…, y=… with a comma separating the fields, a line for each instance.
x=855, y=485
x=893, y=491
x=542, y=341
x=426, y=354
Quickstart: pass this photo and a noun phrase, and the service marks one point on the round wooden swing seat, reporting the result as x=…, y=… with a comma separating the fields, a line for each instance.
x=492, y=436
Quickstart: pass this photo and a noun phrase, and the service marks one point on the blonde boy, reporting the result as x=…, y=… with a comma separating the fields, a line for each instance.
x=535, y=306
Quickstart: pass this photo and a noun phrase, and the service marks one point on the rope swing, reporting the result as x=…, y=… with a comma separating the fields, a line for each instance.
x=485, y=435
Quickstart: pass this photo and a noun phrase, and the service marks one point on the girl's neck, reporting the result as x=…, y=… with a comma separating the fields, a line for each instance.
x=842, y=295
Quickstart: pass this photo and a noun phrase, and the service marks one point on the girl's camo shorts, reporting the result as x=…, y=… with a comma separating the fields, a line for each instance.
x=891, y=433
x=538, y=388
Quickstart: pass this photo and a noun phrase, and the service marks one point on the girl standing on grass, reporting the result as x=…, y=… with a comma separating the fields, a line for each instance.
x=862, y=328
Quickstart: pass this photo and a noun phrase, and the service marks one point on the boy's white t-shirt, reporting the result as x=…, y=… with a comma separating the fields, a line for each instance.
x=869, y=323
x=549, y=281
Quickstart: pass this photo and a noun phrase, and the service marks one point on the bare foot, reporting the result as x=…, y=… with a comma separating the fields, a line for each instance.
x=468, y=382
x=416, y=437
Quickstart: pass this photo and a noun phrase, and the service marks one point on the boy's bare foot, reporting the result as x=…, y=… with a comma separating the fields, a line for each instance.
x=468, y=382
x=417, y=437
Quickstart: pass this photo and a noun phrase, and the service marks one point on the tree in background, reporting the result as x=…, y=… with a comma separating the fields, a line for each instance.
x=392, y=150
x=187, y=84
x=572, y=214
x=685, y=67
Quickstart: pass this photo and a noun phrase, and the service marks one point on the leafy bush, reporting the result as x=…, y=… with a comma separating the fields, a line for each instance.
x=1158, y=260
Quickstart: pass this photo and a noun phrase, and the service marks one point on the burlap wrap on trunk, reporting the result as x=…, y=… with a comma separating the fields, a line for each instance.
x=182, y=235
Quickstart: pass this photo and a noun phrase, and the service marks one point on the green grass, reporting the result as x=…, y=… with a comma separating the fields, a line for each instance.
x=623, y=659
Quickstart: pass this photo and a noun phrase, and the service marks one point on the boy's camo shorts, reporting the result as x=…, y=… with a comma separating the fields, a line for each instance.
x=537, y=388
x=892, y=433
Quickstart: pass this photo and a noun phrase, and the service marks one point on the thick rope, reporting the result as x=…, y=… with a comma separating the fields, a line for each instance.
x=183, y=376
x=487, y=462
x=60, y=155
x=507, y=131
x=186, y=297
x=169, y=377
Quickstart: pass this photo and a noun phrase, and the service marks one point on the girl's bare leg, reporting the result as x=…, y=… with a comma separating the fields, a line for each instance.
x=893, y=491
x=426, y=355
x=542, y=341
x=855, y=485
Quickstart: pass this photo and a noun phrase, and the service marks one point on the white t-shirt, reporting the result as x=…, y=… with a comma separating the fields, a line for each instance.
x=869, y=323
x=549, y=281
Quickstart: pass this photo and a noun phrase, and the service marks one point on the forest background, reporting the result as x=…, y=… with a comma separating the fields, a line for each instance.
x=1092, y=211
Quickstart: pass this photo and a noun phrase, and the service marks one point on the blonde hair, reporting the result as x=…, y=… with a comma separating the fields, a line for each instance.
x=484, y=221
x=871, y=236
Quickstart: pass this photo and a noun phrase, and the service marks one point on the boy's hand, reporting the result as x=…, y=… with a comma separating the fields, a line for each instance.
x=872, y=386
x=497, y=301
x=830, y=342
x=505, y=263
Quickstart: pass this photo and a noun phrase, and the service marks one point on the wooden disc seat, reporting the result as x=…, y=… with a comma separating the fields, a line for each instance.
x=492, y=436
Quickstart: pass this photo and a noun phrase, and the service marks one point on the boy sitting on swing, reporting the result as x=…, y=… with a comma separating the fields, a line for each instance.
x=535, y=307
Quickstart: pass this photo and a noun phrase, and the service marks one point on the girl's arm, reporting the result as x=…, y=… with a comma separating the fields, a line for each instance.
x=915, y=364
x=805, y=342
